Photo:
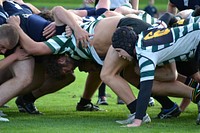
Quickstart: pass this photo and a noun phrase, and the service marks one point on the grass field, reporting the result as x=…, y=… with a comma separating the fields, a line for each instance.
x=59, y=108
x=161, y=4
x=60, y=116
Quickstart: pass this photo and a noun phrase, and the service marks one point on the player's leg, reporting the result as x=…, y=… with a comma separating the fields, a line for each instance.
x=22, y=76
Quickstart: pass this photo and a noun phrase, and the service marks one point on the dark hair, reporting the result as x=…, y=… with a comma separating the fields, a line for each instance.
x=54, y=68
x=125, y=38
x=46, y=14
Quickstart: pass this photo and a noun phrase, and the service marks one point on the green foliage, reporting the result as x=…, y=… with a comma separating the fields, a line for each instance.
x=161, y=4
x=60, y=115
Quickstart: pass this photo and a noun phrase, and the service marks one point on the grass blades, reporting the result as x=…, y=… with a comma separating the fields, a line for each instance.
x=60, y=115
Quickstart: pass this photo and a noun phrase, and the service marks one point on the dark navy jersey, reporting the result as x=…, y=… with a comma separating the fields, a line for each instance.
x=33, y=25
x=13, y=8
x=3, y=15
x=157, y=37
x=185, y=4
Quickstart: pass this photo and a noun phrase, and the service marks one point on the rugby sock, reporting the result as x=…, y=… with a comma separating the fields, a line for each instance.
x=132, y=106
x=165, y=102
x=195, y=96
x=29, y=98
x=84, y=101
x=191, y=82
x=102, y=90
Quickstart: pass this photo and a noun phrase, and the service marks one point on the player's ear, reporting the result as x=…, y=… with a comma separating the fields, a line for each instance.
x=61, y=60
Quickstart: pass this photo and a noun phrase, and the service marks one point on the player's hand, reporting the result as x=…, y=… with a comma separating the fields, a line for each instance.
x=137, y=11
x=68, y=31
x=21, y=54
x=13, y=20
x=82, y=36
x=49, y=30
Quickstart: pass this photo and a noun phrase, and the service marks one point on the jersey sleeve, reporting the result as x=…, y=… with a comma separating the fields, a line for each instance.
x=147, y=70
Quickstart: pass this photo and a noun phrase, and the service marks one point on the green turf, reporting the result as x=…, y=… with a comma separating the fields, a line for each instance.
x=60, y=115
x=161, y=4
x=59, y=108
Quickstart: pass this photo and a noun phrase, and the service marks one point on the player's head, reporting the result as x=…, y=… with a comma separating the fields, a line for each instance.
x=46, y=14
x=9, y=37
x=124, y=38
x=58, y=66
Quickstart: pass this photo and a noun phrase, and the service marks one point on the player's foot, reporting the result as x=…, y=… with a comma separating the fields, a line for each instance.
x=4, y=106
x=151, y=102
x=119, y=101
x=169, y=113
x=26, y=107
x=4, y=119
x=102, y=101
x=2, y=114
x=131, y=117
x=87, y=107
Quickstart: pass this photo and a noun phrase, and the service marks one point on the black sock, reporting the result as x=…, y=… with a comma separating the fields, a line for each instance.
x=191, y=82
x=165, y=102
x=84, y=101
x=132, y=106
x=102, y=90
x=196, y=86
x=29, y=98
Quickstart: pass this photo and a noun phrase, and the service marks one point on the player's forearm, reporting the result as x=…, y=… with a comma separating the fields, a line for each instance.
x=7, y=61
x=171, y=8
x=135, y=4
x=63, y=16
x=25, y=41
x=32, y=47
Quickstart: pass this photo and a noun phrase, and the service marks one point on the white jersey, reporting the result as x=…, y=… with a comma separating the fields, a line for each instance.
x=117, y=3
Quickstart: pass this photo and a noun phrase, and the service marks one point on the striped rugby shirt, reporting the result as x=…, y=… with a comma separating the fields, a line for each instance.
x=147, y=18
x=61, y=44
x=162, y=46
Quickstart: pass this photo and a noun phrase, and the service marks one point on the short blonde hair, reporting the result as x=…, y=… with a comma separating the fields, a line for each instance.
x=10, y=33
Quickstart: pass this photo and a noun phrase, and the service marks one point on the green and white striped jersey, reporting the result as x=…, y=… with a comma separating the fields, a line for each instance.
x=61, y=44
x=161, y=46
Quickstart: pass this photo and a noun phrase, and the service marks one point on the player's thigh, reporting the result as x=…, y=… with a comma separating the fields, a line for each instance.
x=24, y=69
x=167, y=72
x=5, y=75
x=113, y=64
